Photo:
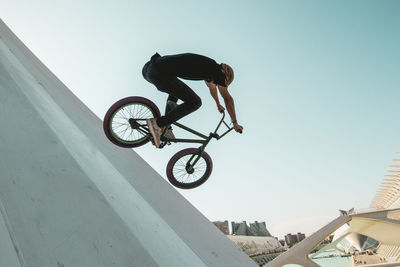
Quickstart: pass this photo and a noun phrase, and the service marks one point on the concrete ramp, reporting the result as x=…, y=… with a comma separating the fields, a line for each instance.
x=68, y=197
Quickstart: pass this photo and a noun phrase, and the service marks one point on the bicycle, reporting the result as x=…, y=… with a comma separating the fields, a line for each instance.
x=125, y=126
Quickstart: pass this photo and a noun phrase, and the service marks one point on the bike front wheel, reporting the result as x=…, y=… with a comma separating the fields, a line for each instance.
x=125, y=122
x=189, y=168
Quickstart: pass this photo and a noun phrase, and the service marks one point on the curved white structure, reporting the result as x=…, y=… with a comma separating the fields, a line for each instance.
x=68, y=197
x=381, y=222
x=382, y=225
x=388, y=197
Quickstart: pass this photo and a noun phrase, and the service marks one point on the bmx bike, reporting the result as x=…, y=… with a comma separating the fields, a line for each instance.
x=125, y=125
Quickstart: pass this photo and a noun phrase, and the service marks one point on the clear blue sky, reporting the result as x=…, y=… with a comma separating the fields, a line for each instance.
x=317, y=89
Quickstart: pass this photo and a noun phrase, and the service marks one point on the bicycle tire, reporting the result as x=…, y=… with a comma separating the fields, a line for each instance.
x=123, y=106
x=179, y=158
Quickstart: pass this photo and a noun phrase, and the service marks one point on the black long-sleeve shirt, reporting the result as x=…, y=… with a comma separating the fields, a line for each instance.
x=191, y=67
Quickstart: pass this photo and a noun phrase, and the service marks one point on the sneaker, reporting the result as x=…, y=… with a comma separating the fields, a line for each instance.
x=155, y=131
x=169, y=134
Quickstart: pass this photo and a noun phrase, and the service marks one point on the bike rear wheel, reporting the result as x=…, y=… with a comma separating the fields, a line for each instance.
x=125, y=122
x=183, y=173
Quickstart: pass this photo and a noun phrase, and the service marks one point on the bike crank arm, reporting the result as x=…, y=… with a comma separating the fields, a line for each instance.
x=139, y=127
x=143, y=130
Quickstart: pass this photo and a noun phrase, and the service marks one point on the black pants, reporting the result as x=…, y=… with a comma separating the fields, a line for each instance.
x=176, y=90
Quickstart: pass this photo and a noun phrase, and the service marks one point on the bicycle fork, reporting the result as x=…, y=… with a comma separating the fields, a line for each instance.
x=196, y=157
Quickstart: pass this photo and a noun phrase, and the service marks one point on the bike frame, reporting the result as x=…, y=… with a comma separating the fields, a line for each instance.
x=204, y=139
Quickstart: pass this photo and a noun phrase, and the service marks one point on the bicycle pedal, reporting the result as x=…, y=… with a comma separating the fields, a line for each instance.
x=163, y=144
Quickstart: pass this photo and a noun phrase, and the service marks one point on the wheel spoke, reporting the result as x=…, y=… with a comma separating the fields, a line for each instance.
x=121, y=126
x=181, y=174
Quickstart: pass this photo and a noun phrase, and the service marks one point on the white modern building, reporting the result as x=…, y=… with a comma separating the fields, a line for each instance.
x=257, y=245
x=388, y=197
x=381, y=222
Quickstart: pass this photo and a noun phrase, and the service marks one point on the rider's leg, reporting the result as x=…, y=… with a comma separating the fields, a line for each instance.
x=152, y=76
x=171, y=104
x=174, y=87
x=178, y=89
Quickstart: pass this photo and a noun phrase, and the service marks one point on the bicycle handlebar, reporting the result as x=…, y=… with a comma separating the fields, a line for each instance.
x=219, y=124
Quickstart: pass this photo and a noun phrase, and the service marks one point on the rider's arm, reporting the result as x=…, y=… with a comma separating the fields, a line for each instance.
x=214, y=94
x=230, y=106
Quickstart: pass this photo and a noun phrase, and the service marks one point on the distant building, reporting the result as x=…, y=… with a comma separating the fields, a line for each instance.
x=385, y=198
x=300, y=236
x=255, y=229
x=290, y=239
x=256, y=241
x=239, y=228
x=293, y=239
x=257, y=245
x=223, y=226
x=258, y=229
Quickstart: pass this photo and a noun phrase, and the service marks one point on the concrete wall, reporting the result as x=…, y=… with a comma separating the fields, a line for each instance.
x=68, y=197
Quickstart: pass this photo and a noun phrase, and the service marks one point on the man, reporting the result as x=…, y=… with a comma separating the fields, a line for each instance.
x=164, y=71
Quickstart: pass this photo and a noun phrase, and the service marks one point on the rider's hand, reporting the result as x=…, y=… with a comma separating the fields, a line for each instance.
x=221, y=109
x=238, y=128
